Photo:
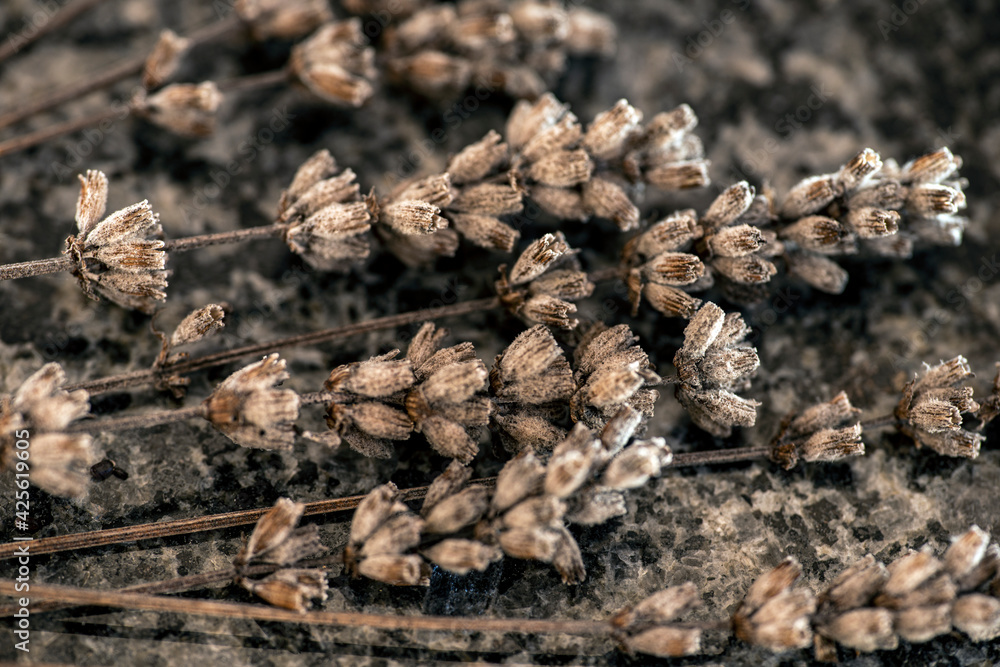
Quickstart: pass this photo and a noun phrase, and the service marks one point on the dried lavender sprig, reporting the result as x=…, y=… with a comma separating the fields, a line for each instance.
x=112, y=75
x=161, y=529
x=58, y=19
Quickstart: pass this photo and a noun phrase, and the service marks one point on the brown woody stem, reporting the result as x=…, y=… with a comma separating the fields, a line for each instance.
x=58, y=19
x=37, y=267
x=222, y=238
x=140, y=601
x=33, y=138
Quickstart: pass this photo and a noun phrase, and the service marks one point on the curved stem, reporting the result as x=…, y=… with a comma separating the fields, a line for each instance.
x=58, y=19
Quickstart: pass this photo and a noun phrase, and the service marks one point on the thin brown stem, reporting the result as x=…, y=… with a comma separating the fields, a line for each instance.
x=56, y=20
x=181, y=584
x=36, y=267
x=719, y=456
x=140, y=378
x=149, y=531
x=129, y=422
x=879, y=422
x=26, y=141
x=110, y=76
x=217, y=609
x=255, y=81
x=222, y=238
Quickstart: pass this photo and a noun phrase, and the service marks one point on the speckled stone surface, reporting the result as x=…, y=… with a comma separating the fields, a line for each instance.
x=902, y=86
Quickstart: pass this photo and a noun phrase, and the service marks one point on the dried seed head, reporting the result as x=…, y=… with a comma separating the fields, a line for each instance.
x=571, y=462
x=773, y=615
x=462, y=556
x=92, y=202
x=809, y=196
x=59, y=462
x=272, y=529
x=659, y=608
x=530, y=544
x=538, y=21
x=532, y=369
x=856, y=586
x=977, y=616
x=589, y=32
x=479, y=32
x=672, y=233
x=457, y=511
x=290, y=589
x=620, y=429
x=538, y=257
x=323, y=193
x=333, y=238
x=666, y=641
x=607, y=199
x=747, y=270
x=931, y=199
x=476, y=161
x=374, y=509
x=931, y=168
x=671, y=301
x=528, y=119
x=921, y=624
x=931, y=406
x=42, y=405
x=412, y=217
x=818, y=233
x=283, y=19
x=396, y=570
x=679, y=175
x=862, y=629
x=318, y=167
x=376, y=378
x=162, y=62
x=248, y=408
x=673, y=268
x=432, y=73
x=868, y=222
x=736, y=241
x=399, y=533
x=594, y=506
x=183, y=108
x=820, y=272
x=199, y=324
x=528, y=429
x=522, y=476
x=730, y=205
x=544, y=510
x=636, y=464
x=966, y=553
x=567, y=559
x=608, y=133
x=911, y=571
x=488, y=199
x=854, y=174
x=485, y=231
x=561, y=169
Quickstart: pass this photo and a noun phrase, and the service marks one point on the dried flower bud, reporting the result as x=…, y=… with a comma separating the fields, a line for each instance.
x=853, y=174
x=606, y=199
x=774, y=616
x=909, y=572
x=462, y=556
x=666, y=641
x=635, y=464
x=589, y=32
x=198, y=324
x=412, y=217
x=809, y=196
x=679, y=175
x=538, y=257
x=931, y=168
x=921, y=624
x=530, y=544
x=671, y=301
x=373, y=510
x=162, y=62
x=931, y=199
x=818, y=233
x=672, y=233
x=544, y=510
x=977, y=616
x=730, y=205
x=529, y=118
x=396, y=570
x=562, y=134
x=562, y=169
x=488, y=199
x=522, y=476
x=869, y=222
x=561, y=203
x=862, y=629
x=567, y=559
x=59, y=462
x=249, y=409
x=91, y=204
x=331, y=238
x=856, y=586
x=290, y=589
x=378, y=377
x=736, y=241
x=820, y=272
x=476, y=161
x=674, y=268
x=184, y=108
x=272, y=529
x=747, y=270
x=457, y=511
x=659, y=608
x=532, y=369
x=594, y=506
x=608, y=132
x=966, y=553
x=282, y=19
x=42, y=405
x=432, y=73
x=931, y=406
x=571, y=462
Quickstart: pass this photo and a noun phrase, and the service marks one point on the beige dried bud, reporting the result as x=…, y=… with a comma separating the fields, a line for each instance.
x=560, y=203
x=397, y=534
x=412, y=217
x=528, y=119
x=736, y=241
x=275, y=538
x=249, y=409
x=620, y=429
x=521, y=477
x=824, y=432
x=773, y=615
x=666, y=641
x=607, y=199
x=544, y=510
x=480, y=32
x=977, y=616
x=42, y=405
x=532, y=370
x=882, y=193
x=809, y=196
x=679, y=175
x=670, y=234
x=589, y=32
x=548, y=310
x=930, y=410
x=326, y=191
x=931, y=168
x=58, y=462
x=671, y=301
x=538, y=257
x=818, y=233
x=457, y=511
x=673, y=268
x=868, y=222
x=199, y=324
x=91, y=204
x=488, y=199
x=637, y=463
x=567, y=559
x=730, y=205
x=562, y=168
x=476, y=161
x=332, y=238
x=820, y=272
x=538, y=543
x=747, y=270
x=378, y=377
x=373, y=510
x=571, y=463
x=921, y=624
x=283, y=19
x=183, y=108
x=462, y=556
x=659, y=608
x=854, y=174
x=538, y=21
x=908, y=573
x=862, y=630
x=965, y=556
x=396, y=570
x=608, y=133
x=290, y=588
x=594, y=506
x=164, y=59
x=445, y=485
x=856, y=586
x=485, y=231
x=432, y=73
x=931, y=199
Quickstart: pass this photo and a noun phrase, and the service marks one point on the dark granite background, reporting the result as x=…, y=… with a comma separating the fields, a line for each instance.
x=902, y=87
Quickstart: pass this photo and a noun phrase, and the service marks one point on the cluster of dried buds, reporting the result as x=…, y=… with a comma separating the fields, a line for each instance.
x=930, y=411
x=462, y=528
x=197, y=325
x=870, y=607
x=33, y=421
x=277, y=540
x=826, y=431
x=713, y=363
x=881, y=208
x=433, y=390
x=517, y=47
x=121, y=256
